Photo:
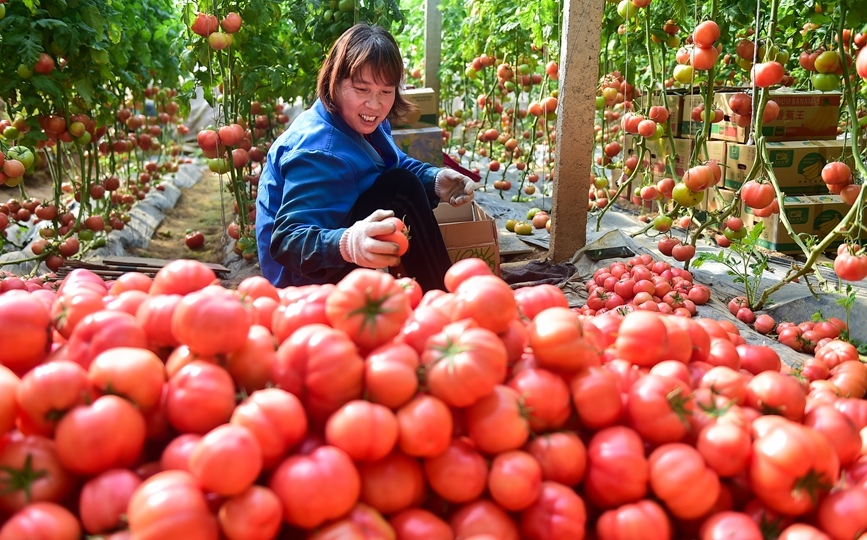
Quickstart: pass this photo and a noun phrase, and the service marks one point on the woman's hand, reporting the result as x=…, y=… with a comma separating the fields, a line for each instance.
x=358, y=245
x=453, y=187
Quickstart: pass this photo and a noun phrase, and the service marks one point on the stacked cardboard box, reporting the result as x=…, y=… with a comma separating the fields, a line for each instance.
x=808, y=214
x=426, y=111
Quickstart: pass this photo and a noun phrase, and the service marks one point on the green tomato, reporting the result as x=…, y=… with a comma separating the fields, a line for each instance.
x=662, y=223
x=783, y=56
x=509, y=85
x=555, y=93
x=825, y=82
x=600, y=182
x=219, y=165
x=660, y=131
x=328, y=15
x=11, y=133
x=771, y=53
x=684, y=197
x=673, y=42
x=24, y=71
x=85, y=235
x=683, y=74
x=524, y=69
x=458, y=113
x=626, y=9
x=471, y=73
x=735, y=235
x=346, y=5
x=600, y=103
x=510, y=224
x=100, y=241
x=22, y=154
x=2, y=11
x=532, y=212
x=84, y=139
x=523, y=228
x=745, y=64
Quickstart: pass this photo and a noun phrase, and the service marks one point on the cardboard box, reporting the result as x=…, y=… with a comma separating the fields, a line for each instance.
x=803, y=116
x=717, y=198
x=427, y=109
x=814, y=215
x=468, y=231
x=797, y=164
x=674, y=103
x=424, y=144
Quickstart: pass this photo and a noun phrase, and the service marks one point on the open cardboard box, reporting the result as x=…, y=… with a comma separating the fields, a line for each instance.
x=468, y=232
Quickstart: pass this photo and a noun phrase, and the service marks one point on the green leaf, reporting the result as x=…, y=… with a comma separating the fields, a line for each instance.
x=85, y=89
x=47, y=86
x=93, y=18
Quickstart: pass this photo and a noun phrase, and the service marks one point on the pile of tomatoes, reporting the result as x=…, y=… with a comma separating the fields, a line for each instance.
x=643, y=283
x=174, y=408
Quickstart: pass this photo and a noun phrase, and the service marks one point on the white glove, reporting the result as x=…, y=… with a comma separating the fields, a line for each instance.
x=453, y=187
x=358, y=245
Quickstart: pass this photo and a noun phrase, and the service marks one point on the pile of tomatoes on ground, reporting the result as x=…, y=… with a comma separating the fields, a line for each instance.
x=643, y=283
x=174, y=408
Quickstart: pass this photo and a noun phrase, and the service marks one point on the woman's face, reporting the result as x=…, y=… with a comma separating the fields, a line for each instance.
x=363, y=103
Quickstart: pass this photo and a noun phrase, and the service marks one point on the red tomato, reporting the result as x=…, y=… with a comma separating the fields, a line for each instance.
x=227, y=460
x=642, y=339
x=596, y=394
x=24, y=324
x=843, y=513
x=255, y=514
x=315, y=488
x=839, y=429
x=424, y=322
x=533, y=300
x=558, y=513
x=726, y=382
x=393, y=483
x=49, y=389
x=369, y=306
x=276, y=418
x=559, y=341
x=201, y=397
x=155, y=317
x=412, y=289
x=104, y=500
x=644, y=518
x=767, y=74
x=495, y=422
x=42, y=520
x=176, y=455
x=101, y=331
x=850, y=377
x=128, y=301
x=783, y=457
x=307, y=310
x=135, y=374
x=391, y=374
x=251, y=366
x=725, y=447
x=258, y=287
x=855, y=409
x=515, y=480
x=730, y=525
x=9, y=383
x=483, y=517
x=418, y=524
x=211, y=324
x=463, y=270
x=459, y=474
x=657, y=408
x=757, y=359
x=365, y=431
x=836, y=352
x=131, y=281
x=464, y=364
x=802, y=531
x=488, y=300
x=851, y=267
x=93, y=438
x=182, y=276
x=20, y=458
x=321, y=365
x=617, y=471
x=425, y=426
x=171, y=506
x=400, y=236
x=545, y=395
x=562, y=457
x=680, y=477
x=370, y=522
x=774, y=393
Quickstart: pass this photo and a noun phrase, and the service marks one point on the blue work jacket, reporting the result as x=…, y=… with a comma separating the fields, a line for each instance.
x=312, y=177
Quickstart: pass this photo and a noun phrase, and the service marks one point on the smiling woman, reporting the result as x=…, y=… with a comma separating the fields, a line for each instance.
x=332, y=180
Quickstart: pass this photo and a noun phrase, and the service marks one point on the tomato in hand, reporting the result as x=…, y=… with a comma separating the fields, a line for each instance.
x=400, y=236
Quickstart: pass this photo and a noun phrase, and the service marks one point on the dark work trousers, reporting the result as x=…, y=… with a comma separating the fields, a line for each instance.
x=400, y=190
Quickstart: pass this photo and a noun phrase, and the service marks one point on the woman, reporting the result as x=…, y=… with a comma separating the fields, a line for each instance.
x=333, y=177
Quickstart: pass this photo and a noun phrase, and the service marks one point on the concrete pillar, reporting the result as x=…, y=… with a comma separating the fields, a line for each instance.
x=576, y=110
x=433, y=44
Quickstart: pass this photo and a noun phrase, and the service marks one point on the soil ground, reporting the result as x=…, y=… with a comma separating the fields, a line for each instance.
x=197, y=209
